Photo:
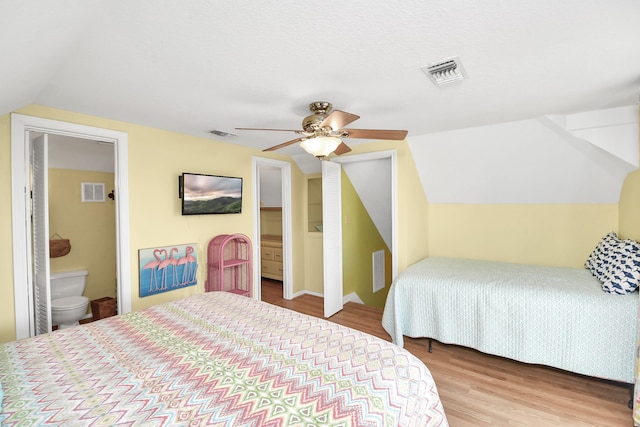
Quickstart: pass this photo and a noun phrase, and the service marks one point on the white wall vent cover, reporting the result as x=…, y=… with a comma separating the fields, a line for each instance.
x=92, y=192
x=447, y=71
x=378, y=270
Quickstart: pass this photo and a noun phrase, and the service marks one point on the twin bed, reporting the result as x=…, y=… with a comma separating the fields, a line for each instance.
x=554, y=316
x=214, y=359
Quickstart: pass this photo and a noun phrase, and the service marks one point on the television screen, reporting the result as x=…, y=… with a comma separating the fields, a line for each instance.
x=210, y=194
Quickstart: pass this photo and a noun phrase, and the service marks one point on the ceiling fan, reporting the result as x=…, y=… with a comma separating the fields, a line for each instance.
x=322, y=131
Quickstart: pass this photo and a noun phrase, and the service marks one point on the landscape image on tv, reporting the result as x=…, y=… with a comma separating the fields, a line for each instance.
x=211, y=194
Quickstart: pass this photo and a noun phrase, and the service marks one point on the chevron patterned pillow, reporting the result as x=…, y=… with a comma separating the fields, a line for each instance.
x=624, y=268
x=599, y=259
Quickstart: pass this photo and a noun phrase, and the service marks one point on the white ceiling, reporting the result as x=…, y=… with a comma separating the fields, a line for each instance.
x=66, y=152
x=193, y=66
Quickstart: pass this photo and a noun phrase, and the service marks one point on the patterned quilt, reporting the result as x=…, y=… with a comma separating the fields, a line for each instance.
x=554, y=316
x=214, y=359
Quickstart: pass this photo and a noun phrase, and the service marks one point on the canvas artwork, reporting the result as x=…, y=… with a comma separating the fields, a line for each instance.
x=167, y=268
x=210, y=194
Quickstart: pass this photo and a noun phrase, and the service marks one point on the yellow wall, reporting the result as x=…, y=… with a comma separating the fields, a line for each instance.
x=314, y=203
x=7, y=313
x=156, y=159
x=312, y=208
x=299, y=226
x=561, y=235
x=271, y=221
x=360, y=238
x=629, y=227
x=314, y=273
x=90, y=227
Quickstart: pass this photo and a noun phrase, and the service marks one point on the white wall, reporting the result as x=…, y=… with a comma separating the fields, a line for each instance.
x=528, y=161
x=372, y=181
x=270, y=186
x=615, y=130
x=80, y=154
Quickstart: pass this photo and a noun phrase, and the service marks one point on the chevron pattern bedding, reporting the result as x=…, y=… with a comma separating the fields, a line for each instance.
x=214, y=359
x=554, y=316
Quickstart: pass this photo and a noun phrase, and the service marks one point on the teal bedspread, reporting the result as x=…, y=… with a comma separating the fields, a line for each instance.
x=554, y=316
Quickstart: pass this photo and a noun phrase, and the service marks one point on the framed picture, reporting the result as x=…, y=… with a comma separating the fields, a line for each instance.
x=166, y=268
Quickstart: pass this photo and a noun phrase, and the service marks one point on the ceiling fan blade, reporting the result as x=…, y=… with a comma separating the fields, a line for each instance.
x=284, y=144
x=338, y=119
x=279, y=130
x=374, y=134
x=342, y=149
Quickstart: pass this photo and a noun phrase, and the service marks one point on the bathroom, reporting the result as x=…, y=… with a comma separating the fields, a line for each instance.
x=82, y=209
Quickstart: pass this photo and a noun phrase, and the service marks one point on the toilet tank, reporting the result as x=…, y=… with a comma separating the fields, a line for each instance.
x=68, y=283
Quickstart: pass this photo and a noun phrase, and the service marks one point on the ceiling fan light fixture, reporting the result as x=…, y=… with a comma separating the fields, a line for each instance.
x=321, y=146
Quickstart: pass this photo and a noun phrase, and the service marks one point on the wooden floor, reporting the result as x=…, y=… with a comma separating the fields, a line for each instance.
x=481, y=390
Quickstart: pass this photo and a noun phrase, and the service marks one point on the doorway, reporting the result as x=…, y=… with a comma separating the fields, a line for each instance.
x=268, y=175
x=373, y=176
x=23, y=248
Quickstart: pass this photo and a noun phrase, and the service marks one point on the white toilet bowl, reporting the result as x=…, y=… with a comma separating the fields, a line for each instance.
x=67, y=311
x=68, y=305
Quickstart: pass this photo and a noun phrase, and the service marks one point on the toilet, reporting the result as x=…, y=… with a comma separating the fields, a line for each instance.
x=68, y=305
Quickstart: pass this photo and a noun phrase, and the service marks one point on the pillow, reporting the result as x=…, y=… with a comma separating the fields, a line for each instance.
x=624, y=268
x=598, y=261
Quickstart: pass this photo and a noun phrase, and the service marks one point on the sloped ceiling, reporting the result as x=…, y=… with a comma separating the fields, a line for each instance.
x=199, y=65
x=527, y=161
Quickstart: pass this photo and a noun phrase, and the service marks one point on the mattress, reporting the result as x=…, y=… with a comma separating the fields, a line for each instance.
x=214, y=359
x=553, y=316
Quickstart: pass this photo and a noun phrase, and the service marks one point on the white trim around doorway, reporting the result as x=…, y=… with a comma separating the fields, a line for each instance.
x=392, y=156
x=20, y=202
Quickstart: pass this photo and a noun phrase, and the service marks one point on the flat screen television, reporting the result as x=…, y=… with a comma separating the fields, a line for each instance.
x=210, y=194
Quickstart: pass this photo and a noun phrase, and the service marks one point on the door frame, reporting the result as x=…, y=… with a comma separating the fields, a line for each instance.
x=287, y=228
x=392, y=156
x=21, y=125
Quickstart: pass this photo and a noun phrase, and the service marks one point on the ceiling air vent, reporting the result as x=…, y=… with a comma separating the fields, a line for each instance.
x=447, y=71
x=219, y=132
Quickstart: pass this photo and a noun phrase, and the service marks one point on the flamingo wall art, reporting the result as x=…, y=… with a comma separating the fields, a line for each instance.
x=167, y=268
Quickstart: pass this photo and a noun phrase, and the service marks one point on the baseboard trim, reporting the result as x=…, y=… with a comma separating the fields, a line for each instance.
x=352, y=297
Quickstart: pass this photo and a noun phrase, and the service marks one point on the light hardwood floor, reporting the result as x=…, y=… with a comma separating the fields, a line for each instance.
x=482, y=390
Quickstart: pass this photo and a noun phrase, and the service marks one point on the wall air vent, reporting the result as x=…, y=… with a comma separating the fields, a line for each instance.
x=447, y=71
x=92, y=192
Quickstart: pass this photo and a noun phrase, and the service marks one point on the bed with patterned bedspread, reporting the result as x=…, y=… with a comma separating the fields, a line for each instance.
x=214, y=359
x=554, y=316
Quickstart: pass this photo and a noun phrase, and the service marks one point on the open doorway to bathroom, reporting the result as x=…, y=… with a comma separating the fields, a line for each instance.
x=28, y=244
x=81, y=208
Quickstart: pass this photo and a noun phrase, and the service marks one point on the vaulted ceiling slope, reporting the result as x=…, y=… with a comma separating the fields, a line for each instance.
x=200, y=65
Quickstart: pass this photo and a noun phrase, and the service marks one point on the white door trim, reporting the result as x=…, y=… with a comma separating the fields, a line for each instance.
x=20, y=202
x=376, y=155
x=287, y=228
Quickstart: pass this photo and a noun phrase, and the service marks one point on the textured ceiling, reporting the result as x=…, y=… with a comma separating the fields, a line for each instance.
x=193, y=66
